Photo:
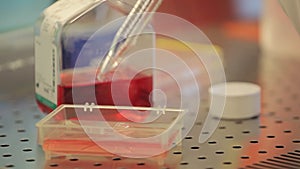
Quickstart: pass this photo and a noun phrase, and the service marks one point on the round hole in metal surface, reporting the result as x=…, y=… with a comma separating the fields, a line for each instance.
x=3, y=135
x=237, y=147
x=262, y=152
x=262, y=127
x=6, y=155
x=254, y=141
x=212, y=142
x=205, y=132
x=140, y=164
x=296, y=141
x=201, y=157
x=270, y=136
x=219, y=152
x=195, y=147
x=229, y=137
x=30, y=160
x=227, y=163
x=198, y=123
x=272, y=113
x=21, y=130
x=97, y=164
x=27, y=149
x=184, y=163
x=24, y=140
x=279, y=146
x=116, y=159
x=73, y=159
x=246, y=132
x=188, y=137
x=9, y=165
x=53, y=165
x=4, y=145
x=245, y=157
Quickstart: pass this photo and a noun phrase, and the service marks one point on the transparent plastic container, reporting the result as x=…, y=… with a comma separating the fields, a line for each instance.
x=70, y=40
x=80, y=130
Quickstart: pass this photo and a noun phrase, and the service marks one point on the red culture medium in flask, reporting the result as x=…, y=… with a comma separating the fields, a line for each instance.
x=138, y=89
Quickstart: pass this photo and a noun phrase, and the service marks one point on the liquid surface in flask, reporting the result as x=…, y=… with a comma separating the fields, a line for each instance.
x=123, y=91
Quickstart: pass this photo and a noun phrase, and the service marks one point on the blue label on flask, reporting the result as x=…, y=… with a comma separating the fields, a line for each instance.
x=73, y=45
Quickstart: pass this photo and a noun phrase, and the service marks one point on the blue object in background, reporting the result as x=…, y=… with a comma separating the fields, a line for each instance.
x=98, y=47
x=245, y=9
x=20, y=13
x=96, y=42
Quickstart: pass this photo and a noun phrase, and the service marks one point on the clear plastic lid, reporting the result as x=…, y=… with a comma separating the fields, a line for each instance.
x=105, y=130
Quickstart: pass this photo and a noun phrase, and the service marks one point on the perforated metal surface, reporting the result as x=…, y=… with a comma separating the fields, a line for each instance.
x=270, y=141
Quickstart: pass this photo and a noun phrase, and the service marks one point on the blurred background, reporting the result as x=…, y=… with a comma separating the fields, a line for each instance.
x=247, y=32
x=244, y=30
x=254, y=25
x=233, y=25
x=228, y=24
x=16, y=14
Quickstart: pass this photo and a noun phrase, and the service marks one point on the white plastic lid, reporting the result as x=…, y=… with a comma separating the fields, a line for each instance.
x=242, y=99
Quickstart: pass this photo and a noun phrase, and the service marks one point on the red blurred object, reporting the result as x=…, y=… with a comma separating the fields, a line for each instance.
x=137, y=89
x=245, y=30
x=221, y=21
x=200, y=12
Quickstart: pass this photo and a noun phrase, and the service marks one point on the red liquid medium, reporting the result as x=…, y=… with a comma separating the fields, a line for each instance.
x=137, y=90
